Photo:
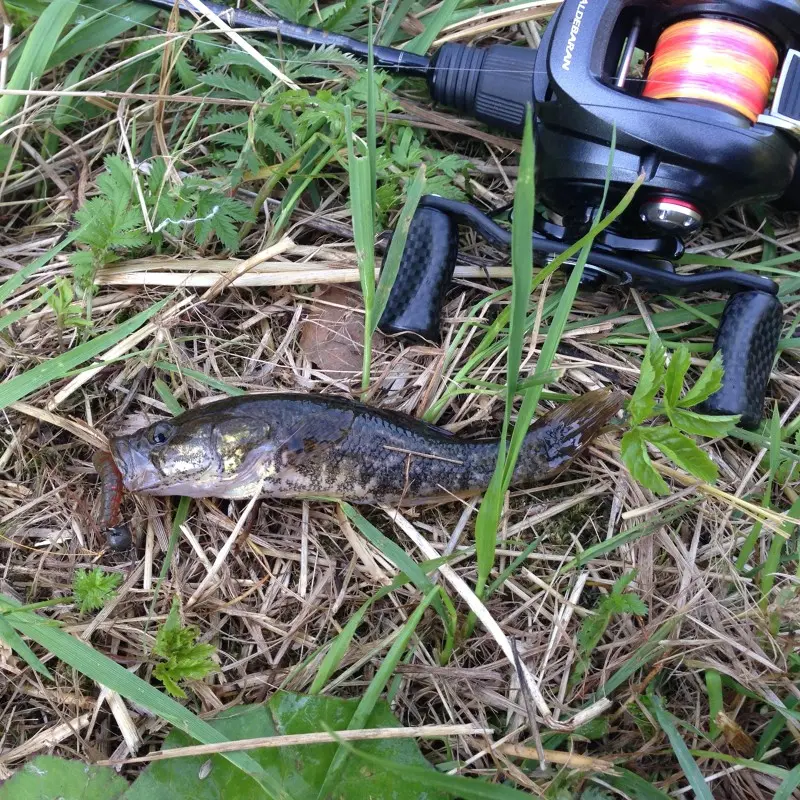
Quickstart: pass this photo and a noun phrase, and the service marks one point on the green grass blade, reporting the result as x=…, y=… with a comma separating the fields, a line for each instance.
x=391, y=264
x=208, y=380
x=7, y=320
x=17, y=644
x=40, y=43
x=522, y=278
x=374, y=690
x=181, y=515
x=443, y=606
x=338, y=647
x=681, y=751
x=169, y=399
x=99, y=29
x=442, y=17
x=10, y=285
x=790, y=783
x=103, y=670
x=361, y=193
x=635, y=786
x=714, y=691
x=56, y=368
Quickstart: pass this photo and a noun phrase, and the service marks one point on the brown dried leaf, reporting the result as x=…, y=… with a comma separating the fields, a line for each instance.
x=332, y=335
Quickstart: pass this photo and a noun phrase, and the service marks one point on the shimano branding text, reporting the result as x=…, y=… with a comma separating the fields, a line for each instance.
x=573, y=34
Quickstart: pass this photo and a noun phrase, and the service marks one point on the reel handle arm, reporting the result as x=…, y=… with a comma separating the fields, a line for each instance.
x=747, y=336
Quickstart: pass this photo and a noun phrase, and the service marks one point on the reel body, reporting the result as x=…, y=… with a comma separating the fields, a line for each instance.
x=692, y=118
x=708, y=156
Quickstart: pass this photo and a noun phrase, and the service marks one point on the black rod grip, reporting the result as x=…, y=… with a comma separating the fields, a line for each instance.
x=426, y=269
x=748, y=338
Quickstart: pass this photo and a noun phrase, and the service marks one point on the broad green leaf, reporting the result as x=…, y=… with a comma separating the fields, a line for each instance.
x=690, y=769
x=48, y=778
x=300, y=769
x=636, y=458
x=56, y=368
x=709, y=381
x=682, y=450
x=39, y=44
x=676, y=372
x=702, y=424
x=454, y=785
x=651, y=378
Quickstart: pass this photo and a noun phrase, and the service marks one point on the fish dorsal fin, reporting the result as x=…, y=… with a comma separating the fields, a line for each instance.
x=315, y=435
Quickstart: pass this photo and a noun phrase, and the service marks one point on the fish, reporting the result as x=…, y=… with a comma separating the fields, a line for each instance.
x=291, y=445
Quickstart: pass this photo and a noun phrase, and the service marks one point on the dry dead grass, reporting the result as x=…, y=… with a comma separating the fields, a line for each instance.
x=285, y=590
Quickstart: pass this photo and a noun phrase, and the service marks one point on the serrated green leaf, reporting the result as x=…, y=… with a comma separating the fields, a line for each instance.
x=709, y=381
x=702, y=424
x=676, y=372
x=682, y=450
x=635, y=457
x=651, y=379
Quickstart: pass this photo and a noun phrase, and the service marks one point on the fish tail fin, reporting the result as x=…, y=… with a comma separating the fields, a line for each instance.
x=563, y=433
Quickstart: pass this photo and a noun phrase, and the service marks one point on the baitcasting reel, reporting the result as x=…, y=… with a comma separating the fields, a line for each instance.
x=704, y=99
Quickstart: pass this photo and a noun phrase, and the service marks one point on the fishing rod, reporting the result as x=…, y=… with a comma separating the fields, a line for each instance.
x=701, y=98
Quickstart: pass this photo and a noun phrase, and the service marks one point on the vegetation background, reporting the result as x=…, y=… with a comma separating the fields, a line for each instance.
x=183, y=217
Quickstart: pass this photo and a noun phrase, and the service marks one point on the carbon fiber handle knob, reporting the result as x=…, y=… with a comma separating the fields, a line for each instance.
x=426, y=268
x=748, y=338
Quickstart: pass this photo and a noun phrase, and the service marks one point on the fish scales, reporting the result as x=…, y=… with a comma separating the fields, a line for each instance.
x=296, y=446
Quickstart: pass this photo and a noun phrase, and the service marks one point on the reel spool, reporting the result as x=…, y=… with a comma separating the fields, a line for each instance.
x=716, y=61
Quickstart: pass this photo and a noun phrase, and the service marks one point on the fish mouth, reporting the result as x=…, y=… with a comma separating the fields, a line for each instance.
x=138, y=472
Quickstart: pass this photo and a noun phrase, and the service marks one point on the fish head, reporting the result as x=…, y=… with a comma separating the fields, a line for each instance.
x=197, y=455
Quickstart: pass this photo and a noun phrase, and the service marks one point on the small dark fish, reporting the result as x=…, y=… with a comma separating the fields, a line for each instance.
x=118, y=535
x=303, y=445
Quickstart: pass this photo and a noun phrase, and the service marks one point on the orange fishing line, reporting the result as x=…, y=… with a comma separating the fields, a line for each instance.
x=716, y=61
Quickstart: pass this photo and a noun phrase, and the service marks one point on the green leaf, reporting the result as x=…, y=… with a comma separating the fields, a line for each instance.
x=17, y=644
x=301, y=769
x=786, y=790
x=715, y=705
x=676, y=372
x=709, y=382
x=636, y=458
x=184, y=658
x=94, y=589
x=690, y=769
x=97, y=667
x=47, y=777
x=635, y=786
x=702, y=424
x=682, y=450
x=39, y=44
x=651, y=378
x=56, y=368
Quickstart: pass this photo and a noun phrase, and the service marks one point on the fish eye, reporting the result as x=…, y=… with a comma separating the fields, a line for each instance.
x=160, y=432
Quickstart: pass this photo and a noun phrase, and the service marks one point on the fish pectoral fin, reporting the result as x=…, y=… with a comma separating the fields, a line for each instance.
x=315, y=436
